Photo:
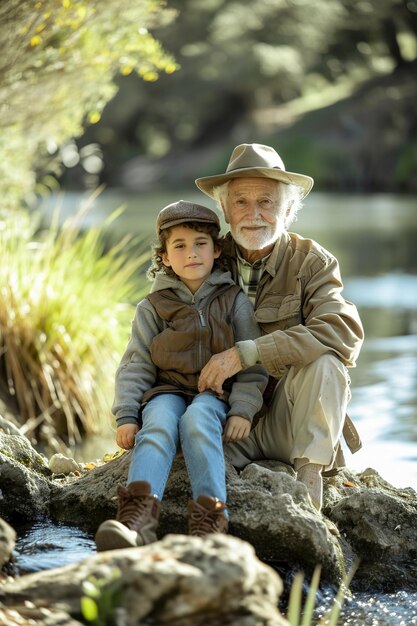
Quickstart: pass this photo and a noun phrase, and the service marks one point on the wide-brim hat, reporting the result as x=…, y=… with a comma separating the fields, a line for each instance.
x=253, y=160
x=184, y=211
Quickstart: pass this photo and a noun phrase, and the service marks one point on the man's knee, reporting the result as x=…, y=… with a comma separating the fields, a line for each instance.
x=328, y=369
x=235, y=456
x=328, y=362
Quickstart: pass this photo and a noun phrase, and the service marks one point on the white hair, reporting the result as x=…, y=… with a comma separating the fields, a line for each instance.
x=289, y=199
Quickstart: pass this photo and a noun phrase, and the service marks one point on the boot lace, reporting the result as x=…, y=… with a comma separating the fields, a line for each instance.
x=204, y=522
x=133, y=508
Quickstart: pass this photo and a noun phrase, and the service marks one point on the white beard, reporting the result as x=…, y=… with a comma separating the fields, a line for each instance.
x=256, y=240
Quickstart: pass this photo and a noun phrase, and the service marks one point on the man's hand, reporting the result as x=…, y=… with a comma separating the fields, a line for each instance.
x=220, y=366
x=236, y=428
x=125, y=436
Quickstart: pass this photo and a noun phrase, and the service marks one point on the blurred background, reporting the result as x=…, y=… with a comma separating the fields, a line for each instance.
x=113, y=106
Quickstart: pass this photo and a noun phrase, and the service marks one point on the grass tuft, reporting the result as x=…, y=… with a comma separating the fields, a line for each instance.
x=299, y=615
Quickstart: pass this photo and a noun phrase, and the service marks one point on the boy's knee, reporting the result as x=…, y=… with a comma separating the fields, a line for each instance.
x=197, y=424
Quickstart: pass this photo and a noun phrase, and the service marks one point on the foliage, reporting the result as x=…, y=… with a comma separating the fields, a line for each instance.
x=242, y=58
x=63, y=324
x=59, y=58
x=304, y=616
x=102, y=598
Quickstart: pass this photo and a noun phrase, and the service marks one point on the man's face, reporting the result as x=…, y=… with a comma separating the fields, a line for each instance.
x=252, y=209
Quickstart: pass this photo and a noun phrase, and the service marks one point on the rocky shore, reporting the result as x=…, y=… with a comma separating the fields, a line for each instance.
x=218, y=580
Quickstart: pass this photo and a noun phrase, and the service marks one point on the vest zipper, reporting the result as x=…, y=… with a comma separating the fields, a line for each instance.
x=202, y=320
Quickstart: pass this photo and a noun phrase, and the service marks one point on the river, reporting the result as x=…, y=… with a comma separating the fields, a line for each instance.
x=375, y=240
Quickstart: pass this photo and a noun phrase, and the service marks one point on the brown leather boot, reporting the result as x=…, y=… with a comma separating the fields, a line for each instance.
x=206, y=516
x=136, y=520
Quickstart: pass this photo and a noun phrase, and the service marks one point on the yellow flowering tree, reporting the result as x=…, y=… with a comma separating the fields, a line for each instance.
x=57, y=68
x=64, y=305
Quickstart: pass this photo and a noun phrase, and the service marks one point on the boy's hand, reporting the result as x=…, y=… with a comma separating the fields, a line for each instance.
x=125, y=436
x=236, y=428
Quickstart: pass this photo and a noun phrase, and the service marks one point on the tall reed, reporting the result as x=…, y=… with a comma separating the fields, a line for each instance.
x=65, y=310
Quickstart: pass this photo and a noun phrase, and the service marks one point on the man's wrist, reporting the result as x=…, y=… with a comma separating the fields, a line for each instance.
x=248, y=353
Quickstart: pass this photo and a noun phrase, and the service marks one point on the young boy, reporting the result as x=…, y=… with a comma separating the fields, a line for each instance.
x=194, y=310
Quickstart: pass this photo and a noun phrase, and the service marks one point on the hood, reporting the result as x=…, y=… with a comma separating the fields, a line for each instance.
x=216, y=279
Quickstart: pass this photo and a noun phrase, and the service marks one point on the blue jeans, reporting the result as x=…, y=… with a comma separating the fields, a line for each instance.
x=197, y=423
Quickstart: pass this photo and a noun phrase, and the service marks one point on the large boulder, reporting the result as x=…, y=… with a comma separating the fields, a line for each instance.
x=267, y=507
x=186, y=581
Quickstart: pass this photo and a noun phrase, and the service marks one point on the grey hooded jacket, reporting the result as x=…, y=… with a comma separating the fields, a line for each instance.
x=137, y=373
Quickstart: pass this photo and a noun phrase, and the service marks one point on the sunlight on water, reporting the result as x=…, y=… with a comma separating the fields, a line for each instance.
x=397, y=609
x=384, y=384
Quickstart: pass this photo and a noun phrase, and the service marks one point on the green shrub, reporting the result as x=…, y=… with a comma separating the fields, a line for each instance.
x=65, y=312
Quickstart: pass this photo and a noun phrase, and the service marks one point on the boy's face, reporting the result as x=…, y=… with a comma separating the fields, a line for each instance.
x=191, y=255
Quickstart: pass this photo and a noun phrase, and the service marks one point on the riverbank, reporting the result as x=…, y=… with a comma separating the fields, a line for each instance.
x=364, y=519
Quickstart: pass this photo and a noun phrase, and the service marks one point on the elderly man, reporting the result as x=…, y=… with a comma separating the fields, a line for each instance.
x=311, y=334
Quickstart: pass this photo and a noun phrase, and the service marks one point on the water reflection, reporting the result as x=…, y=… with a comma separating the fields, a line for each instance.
x=384, y=402
x=384, y=406
x=395, y=291
x=47, y=544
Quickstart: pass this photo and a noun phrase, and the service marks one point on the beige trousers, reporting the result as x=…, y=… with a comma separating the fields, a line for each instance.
x=304, y=420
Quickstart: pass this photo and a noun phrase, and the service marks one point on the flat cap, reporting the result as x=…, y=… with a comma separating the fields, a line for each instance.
x=184, y=211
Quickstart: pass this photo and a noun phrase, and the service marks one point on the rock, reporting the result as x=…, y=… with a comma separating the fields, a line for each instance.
x=19, y=448
x=23, y=479
x=186, y=581
x=270, y=510
x=92, y=497
x=379, y=523
x=7, y=542
x=60, y=464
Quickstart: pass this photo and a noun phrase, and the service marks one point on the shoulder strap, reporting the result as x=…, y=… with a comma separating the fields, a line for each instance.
x=161, y=301
x=230, y=291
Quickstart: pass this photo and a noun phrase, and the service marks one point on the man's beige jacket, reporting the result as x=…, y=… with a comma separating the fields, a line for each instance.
x=300, y=308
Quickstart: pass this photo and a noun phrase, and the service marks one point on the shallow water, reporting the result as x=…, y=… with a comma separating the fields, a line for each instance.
x=47, y=544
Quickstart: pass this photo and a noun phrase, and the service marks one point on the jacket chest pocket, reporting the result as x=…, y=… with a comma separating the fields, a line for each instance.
x=279, y=313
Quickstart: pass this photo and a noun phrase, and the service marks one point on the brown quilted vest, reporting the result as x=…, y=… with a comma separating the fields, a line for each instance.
x=192, y=336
